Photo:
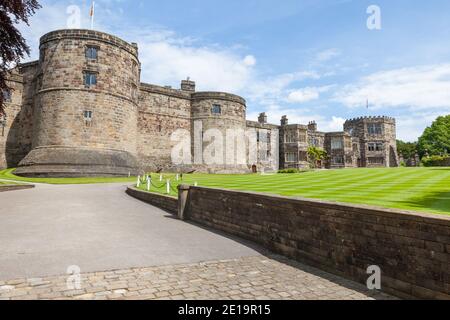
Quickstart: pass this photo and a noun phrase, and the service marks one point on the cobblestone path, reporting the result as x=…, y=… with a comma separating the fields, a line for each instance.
x=259, y=277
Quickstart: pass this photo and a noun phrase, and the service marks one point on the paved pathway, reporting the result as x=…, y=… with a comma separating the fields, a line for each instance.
x=258, y=278
x=128, y=249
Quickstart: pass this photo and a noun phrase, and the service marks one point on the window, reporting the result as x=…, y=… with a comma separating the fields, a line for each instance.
x=376, y=161
x=291, y=157
x=302, y=137
x=338, y=160
x=315, y=142
x=290, y=137
x=7, y=96
x=376, y=147
x=3, y=123
x=216, y=109
x=88, y=115
x=337, y=143
x=90, y=79
x=374, y=128
x=92, y=53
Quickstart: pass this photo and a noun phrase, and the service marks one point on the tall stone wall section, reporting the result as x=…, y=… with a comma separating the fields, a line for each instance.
x=162, y=111
x=64, y=142
x=17, y=132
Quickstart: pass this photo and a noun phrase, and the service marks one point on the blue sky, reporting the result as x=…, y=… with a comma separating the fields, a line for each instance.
x=308, y=59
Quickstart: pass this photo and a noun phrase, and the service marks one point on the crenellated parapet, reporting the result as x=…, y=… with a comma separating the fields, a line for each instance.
x=372, y=118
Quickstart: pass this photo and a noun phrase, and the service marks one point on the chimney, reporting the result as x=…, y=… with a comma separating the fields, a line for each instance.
x=312, y=126
x=262, y=118
x=284, y=121
x=188, y=85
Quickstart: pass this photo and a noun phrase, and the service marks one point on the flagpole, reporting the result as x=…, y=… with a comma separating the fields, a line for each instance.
x=92, y=15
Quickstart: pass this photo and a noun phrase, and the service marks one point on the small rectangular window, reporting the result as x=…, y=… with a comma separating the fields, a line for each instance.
x=216, y=109
x=374, y=129
x=88, y=115
x=7, y=96
x=337, y=144
x=291, y=157
x=92, y=53
x=338, y=160
x=90, y=79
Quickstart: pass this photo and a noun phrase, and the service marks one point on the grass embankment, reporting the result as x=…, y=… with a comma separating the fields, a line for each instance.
x=9, y=175
x=417, y=189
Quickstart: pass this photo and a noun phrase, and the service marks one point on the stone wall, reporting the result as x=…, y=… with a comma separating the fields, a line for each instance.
x=162, y=111
x=166, y=203
x=412, y=250
x=16, y=135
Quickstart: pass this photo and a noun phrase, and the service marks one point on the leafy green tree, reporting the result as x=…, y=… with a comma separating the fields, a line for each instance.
x=12, y=44
x=435, y=141
x=315, y=156
x=406, y=149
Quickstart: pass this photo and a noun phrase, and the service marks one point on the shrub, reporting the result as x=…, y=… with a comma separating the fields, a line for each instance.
x=291, y=171
x=436, y=161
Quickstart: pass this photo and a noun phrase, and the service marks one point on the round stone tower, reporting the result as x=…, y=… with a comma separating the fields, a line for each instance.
x=85, y=121
x=216, y=115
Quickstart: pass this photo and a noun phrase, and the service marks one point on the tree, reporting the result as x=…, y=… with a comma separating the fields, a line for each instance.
x=315, y=156
x=406, y=149
x=435, y=141
x=12, y=45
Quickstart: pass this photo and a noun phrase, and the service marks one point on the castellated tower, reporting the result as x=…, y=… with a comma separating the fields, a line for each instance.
x=377, y=140
x=85, y=119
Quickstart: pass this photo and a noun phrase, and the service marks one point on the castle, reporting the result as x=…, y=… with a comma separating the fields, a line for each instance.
x=81, y=110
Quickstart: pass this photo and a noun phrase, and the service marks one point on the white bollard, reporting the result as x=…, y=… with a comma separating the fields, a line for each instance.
x=195, y=184
x=168, y=186
x=178, y=177
x=129, y=174
x=138, y=184
x=149, y=183
x=160, y=178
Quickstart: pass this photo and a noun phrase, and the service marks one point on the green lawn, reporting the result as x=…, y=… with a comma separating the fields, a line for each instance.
x=418, y=189
x=9, y=175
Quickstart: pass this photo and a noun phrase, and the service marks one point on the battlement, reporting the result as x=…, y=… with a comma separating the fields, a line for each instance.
x=85, y=34
x=209, y=95
x=371, y=118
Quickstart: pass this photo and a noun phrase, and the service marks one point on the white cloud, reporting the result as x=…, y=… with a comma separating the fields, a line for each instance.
x=327, y=55
x=250, y=60
x=422, y=87
x=306, y=94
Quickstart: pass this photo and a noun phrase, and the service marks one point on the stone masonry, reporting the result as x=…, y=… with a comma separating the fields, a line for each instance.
x=81, y=110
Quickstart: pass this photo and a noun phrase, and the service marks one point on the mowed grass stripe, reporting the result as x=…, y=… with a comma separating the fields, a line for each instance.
x=401, y=188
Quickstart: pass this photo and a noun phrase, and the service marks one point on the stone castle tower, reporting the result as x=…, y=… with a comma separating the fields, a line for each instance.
x=81, y=110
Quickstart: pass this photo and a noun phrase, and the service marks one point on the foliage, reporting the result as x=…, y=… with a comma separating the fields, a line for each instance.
x=12, y=45
x=406, y=149
x=435, y=141
x=315, y=156
x=436, y=161
x=291, y=171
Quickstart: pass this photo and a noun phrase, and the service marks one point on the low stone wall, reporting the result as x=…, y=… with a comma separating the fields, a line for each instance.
x=163, y=202
x=5, y=188
x=412, y=250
